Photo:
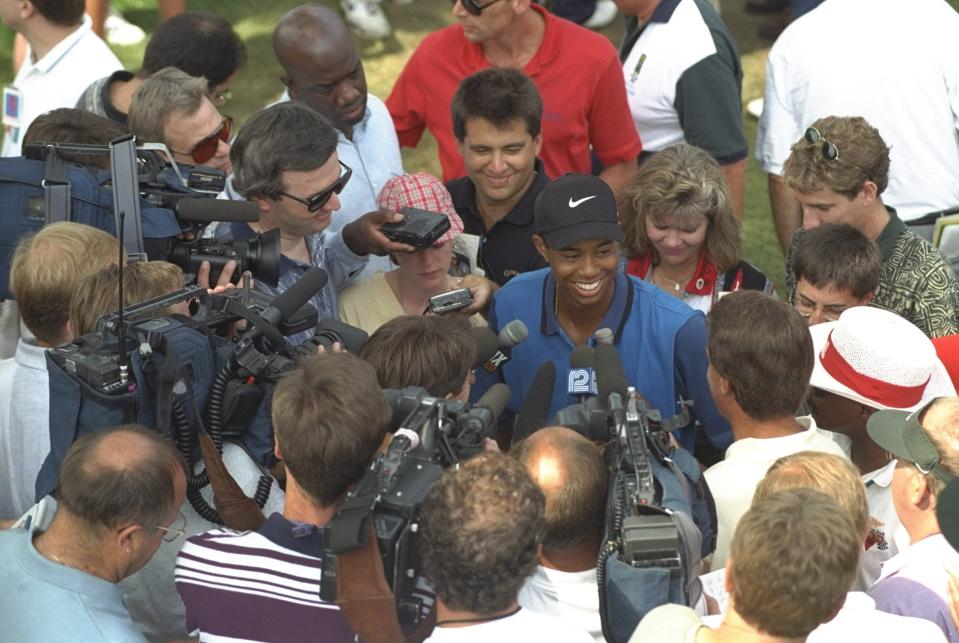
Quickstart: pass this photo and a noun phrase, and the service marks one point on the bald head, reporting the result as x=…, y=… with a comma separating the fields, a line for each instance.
x=570, y=471
x=321, y=67
x=122, y=476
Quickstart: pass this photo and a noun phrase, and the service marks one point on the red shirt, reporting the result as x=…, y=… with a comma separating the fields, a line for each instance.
x=579, y=78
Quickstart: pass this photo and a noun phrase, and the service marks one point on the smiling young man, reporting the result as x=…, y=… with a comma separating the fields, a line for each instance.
x=838, y=172
x=497, y=115
x=323, y=70
x=661, y=341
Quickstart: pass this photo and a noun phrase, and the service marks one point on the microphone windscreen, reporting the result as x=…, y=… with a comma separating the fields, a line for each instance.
x=513, y=333
x=209, y=210
x=610, y=377
x=486, y=344
x=293, y=298
x=534, y=412
x=582, y=357
x=496, y=398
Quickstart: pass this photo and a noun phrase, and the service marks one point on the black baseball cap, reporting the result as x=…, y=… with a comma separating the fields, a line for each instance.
x=576, y=207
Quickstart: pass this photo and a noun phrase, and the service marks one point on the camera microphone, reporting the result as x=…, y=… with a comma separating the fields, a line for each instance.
x=480, y=420
x=210, y=210
x=493, y=351
x=294, y=297
x=581, y=380
x=534, y=412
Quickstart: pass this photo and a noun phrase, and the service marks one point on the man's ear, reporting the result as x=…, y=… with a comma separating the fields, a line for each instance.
x=868, y=193
x=538, y=143
x=541, y=248
x=865, y=299
x=125, y=537
x=276, y=450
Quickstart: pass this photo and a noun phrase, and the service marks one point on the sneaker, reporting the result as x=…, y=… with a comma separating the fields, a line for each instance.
x=603, y=15
x=121, y=32
x=367, y=18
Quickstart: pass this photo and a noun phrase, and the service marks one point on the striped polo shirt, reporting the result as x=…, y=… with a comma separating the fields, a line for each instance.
x=259, y=585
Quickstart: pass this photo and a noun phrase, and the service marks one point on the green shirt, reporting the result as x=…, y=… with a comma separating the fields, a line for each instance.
x=916, y=281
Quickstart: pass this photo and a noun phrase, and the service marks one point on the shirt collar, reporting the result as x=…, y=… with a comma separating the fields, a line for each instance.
x=616, y=315
x=549, y=48
x=299, y=537
x=464, y=199
x=881, y=477
x=63, y=47
x=359, y=130
x=890, y=234
x=664, y=11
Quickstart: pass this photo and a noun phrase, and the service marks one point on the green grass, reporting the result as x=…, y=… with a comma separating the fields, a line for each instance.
x=259, y=83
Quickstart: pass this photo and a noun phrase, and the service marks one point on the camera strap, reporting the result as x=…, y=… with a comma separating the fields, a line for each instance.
x=237, y=510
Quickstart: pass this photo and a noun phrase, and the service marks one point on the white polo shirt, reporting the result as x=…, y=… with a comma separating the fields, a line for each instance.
x=894, y=63
x=58, y=79
x=570, y=596
x=733, y=481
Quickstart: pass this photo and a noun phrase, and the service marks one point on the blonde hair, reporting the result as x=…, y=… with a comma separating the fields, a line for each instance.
x=47, y=268
x=681, y=181
x=941, y=425
x=835, y=476
x=97, y=294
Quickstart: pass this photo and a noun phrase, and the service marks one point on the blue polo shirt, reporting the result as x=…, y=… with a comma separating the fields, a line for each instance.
x=660, y=340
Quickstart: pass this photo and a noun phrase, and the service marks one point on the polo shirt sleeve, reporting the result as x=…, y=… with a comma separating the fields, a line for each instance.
x=406, y=102
x=907, y=597
x=341, y=263
x=691, y=384
x=709, y=107
x=777, y=125
x=612, y=132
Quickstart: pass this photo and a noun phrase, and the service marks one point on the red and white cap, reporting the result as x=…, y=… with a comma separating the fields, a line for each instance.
x=423, y=191
x=879, y=359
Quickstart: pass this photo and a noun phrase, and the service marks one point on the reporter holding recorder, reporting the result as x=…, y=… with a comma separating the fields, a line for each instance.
x=419, y=275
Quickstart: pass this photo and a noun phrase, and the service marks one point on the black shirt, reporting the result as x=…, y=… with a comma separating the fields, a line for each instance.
x=507, y=249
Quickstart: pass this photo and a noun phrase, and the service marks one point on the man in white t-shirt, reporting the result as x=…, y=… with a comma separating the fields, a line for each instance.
x=570, y=471
x=63, y=57
x=895, y=64
x=872, y=359
x=481, y=527
x=760, y=358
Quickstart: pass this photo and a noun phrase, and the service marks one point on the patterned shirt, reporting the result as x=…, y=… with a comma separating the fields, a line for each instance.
x=916, y=282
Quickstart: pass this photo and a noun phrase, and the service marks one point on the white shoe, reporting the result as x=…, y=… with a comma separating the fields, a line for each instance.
x=121, y=32
x=755, y=107
x=604, y=14
x=367, y=18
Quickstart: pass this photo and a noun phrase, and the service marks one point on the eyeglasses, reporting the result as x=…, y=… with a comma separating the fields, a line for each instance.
x=829, y=150
x=474, y=8
x=319, y=199
x=206, y=148
x=806, y=309
x=172, y=533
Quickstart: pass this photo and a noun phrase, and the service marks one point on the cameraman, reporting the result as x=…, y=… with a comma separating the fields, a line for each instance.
x=482, y=526
x=285, y=159
x=330, y=417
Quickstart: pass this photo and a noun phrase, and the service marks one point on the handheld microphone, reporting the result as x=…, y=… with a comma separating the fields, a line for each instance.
x=604, y=336
x=581, y=381
x=510, y=335
x=534, y=412
x=293, y=298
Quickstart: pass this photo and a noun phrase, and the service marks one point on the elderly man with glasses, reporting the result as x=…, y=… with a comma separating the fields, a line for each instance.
x=576, y=71
x=837, y=172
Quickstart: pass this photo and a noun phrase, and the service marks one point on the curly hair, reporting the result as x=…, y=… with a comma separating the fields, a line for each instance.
x=481, y=527
x=681, y=181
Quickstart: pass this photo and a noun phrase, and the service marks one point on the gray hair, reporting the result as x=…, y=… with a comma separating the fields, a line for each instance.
x=107, y=492
x=283, y=137
x=169, y=91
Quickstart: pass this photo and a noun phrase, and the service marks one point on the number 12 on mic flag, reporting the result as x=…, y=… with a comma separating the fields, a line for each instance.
x=582, y=381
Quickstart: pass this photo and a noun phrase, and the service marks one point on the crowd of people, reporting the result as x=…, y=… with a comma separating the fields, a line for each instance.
x=596, y=196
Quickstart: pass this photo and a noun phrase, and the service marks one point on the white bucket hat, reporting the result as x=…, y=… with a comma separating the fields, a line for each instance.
x=879, y=359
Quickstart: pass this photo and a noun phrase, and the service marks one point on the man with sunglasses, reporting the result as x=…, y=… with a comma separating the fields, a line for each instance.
x=837, y=172
x=323, y=70
x=577, y=72
x=285, y=159
x=174, y=108
x=120, y=494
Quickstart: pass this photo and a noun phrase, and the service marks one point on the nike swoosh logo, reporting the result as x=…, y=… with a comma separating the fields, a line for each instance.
x=573, y=204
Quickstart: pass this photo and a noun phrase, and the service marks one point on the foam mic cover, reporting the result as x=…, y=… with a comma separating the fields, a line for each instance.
x=582, y=357
x=534, y=412
x=486, y=344
x=610, y=376
x=580, y=379
x=495, y=399
x=293, y=298
x=209, y=210
x=512, y=334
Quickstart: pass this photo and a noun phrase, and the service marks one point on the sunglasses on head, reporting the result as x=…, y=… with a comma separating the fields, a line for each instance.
x=319, y=199
x=474, y=8
x=205, y=149
x=829, y=150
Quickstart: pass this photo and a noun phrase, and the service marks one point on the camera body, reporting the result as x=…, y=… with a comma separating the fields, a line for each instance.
x=449, y=301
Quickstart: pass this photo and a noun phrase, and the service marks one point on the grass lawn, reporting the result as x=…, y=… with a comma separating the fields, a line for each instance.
x=259, y=82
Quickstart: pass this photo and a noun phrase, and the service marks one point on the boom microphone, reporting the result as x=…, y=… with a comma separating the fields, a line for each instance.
x=293, y=298
x=534, y=412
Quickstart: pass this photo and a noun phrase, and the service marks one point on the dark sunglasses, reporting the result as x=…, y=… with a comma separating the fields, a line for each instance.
x=474, y=8
x=319, y=199
x=829, y=150
x=205, y=148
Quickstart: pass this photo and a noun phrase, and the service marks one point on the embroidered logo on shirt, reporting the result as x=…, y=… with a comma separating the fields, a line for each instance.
x=876, y=537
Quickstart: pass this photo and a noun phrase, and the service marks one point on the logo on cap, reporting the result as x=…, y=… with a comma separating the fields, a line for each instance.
x=573, y=204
